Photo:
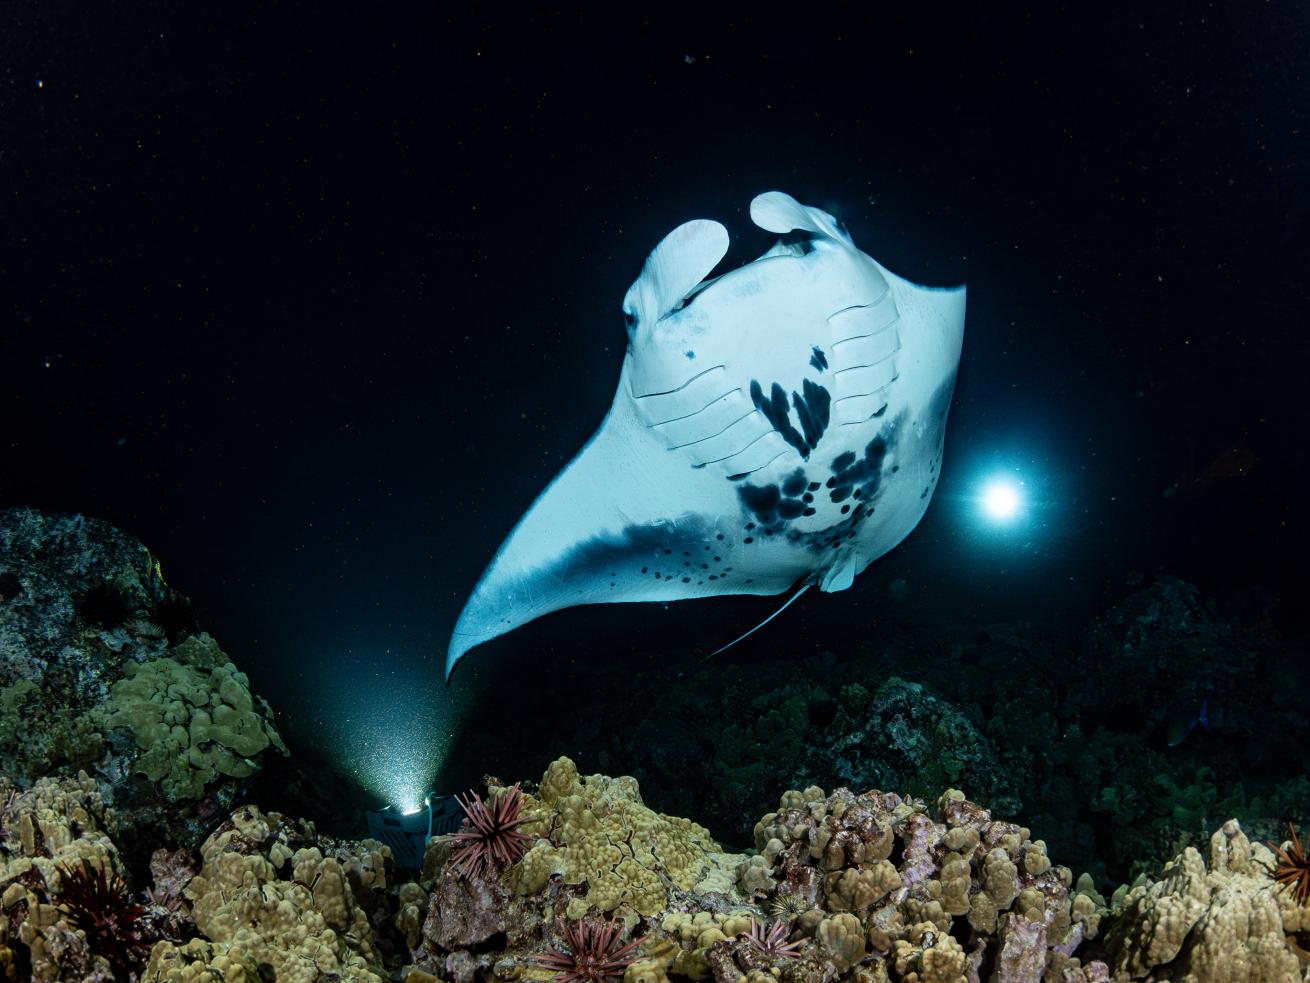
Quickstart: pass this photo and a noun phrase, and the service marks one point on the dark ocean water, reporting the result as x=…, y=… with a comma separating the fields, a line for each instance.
x=314, y=301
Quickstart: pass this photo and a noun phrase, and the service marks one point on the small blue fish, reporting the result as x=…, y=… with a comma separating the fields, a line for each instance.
x=1186, y=718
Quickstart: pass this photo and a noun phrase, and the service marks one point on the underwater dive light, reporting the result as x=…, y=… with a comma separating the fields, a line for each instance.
x=1000, y=499
x=407, y=831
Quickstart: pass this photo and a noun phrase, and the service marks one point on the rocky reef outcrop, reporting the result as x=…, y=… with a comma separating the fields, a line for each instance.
x=103, y=670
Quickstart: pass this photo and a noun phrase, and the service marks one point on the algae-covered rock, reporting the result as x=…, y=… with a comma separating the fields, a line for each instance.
x=103, y=669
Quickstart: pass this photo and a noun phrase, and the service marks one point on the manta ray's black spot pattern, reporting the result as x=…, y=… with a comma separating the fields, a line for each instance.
x=812, y=409
x=760, y=499
x=860, y=475
x=794, y=484
x=791, y=508
x=635, y=548
x=818, y=359
x=813, y=406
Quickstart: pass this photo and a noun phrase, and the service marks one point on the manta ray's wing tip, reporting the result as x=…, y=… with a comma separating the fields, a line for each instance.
x=460, y=643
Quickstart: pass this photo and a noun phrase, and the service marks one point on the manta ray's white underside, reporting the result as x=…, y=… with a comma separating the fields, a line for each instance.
x=782, y=423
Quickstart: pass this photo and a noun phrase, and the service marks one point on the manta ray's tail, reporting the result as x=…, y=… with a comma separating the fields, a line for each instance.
x=804, y=588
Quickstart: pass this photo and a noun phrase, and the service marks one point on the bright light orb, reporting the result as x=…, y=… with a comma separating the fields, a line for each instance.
x=1000, y=500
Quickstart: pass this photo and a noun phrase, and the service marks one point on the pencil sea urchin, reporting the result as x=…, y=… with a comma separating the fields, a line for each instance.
x=1293, y=868
x=490, y=834
x=594, y=955
x=773, y=943
x=96, y=900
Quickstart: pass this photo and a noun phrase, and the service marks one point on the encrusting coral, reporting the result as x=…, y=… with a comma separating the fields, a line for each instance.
x=596, y=833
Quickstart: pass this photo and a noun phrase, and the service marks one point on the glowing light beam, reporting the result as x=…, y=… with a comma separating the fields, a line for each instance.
x=1000, y=499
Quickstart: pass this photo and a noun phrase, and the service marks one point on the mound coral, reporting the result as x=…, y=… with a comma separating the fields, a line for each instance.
x=1210, y=919
x=190, y=726
x=597, y=834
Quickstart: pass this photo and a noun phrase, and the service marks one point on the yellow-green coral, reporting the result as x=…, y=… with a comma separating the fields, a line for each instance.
x=596, y=831
x=191, y=726
x=690, y=937
x=306, y=928
x=199, y=961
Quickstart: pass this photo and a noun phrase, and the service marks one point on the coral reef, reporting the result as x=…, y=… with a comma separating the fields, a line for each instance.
x=1211, y=919
x=273, y=893
x=55, y=848
x=871, y=884
x=1034, y=721
x=103, y=669
x=126, y=734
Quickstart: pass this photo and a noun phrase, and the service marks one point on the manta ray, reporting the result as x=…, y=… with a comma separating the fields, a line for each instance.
x=781, y=424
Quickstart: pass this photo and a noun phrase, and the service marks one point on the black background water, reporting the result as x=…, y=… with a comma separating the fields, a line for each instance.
x=315, y=299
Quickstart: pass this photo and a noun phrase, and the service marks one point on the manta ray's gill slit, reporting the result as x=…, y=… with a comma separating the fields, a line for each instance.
x=751, y=444
x=687, y=416
x=866, y=365
x=701, y=440
x=677, y=389
x=746, y=474
x=870, y=318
